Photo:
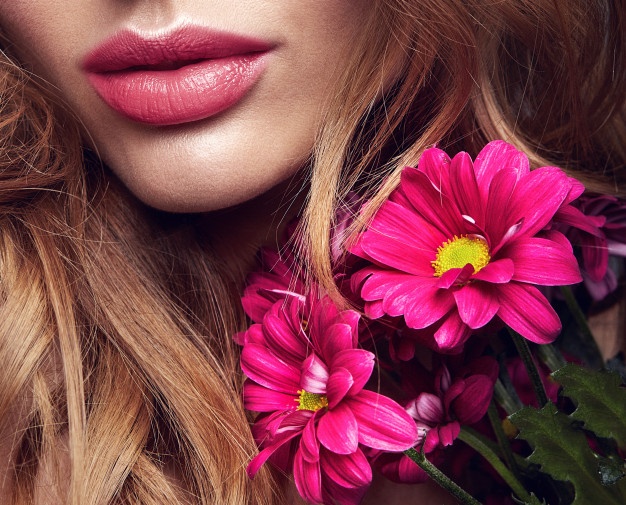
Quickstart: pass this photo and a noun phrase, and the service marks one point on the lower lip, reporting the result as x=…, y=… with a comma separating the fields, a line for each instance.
x=189, y=93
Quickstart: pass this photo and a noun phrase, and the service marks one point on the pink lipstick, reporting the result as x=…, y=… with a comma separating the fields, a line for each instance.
x=188, y=74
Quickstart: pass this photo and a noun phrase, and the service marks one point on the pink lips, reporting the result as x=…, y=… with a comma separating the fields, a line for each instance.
x=189, y=74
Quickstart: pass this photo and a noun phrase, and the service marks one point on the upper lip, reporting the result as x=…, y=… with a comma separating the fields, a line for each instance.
x=129, y=49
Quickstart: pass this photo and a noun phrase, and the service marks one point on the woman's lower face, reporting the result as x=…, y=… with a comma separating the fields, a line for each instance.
x=196, y=105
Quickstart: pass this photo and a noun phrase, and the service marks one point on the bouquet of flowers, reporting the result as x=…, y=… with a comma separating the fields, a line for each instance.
x=458, y=346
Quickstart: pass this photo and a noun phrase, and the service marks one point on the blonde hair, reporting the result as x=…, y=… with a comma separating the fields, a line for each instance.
x=115, y=319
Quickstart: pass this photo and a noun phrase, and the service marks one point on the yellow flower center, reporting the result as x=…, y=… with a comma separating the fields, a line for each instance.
x=311, y=401
x=458, y=252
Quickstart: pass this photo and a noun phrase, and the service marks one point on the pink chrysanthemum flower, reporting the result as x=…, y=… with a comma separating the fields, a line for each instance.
x=306, y=374
x=459, y=243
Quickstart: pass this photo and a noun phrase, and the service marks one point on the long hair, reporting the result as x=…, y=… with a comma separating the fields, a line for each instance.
x=115, y=319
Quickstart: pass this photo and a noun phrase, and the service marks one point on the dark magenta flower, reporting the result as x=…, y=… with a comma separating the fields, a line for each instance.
x=597, y=223
x=277, y=277
x=306, y=374
x=459, y=243
x=451, y=400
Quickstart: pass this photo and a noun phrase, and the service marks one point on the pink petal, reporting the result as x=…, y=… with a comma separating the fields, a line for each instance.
x=337, y=430
x=339, y=495
x=383, y=424
x=257, y=462
x=374, y=310
x=255, y=305
x=496, y=272
x=595, y=256
x=498, y=224
x=443, y=380
x=455, y=276
x=476, y=304
x=396, y=222
x=314, y=376
x=435, y=163
x=381, y=282
x=526, y=310
x=253, y=334
x=398, y=255
x=433, y=206
x=308, y=479
x=428, y=409
x=452, y=333
x=397, y=297
x=428, y=306
x=464, y=186
x=265, y=368
x=558, y=237
x=262, y=399
x=336, y=338
x=283, y=340
x=322, y=314
x=571, y=216
x=352, y=318
x=359, y=363
x=339, y=383
x=448, y=433
x=350, y=471
x=471, y=404
x=309, y=445
x=409, y=472
x=576, y=190
x=537, y=197
x=495, y=156
x=543, y=262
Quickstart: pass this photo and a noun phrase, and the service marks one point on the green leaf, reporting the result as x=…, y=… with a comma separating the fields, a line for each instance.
x=600, y=401
x=564, y=454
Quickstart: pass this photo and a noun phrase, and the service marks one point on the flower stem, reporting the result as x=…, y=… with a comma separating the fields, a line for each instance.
x=551, y=357
x=531, y=368
x=475, y=443
x=503, y=441
x=589, y=343
x=419, y=458
x=508, y=401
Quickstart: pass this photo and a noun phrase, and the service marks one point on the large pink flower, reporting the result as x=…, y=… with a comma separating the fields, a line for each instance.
x=459, y=243
x=307, y=377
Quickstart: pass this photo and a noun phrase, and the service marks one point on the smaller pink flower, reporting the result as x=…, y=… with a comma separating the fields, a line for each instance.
x=307, y=376
x=598, y=225
x=462, y=399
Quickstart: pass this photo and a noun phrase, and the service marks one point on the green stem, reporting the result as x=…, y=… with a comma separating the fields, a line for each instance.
x=477, y=444
x=503, y=441
x=440, y=478
x=506, y=398
x=589, y=343
x=535, y=379
x=551, y=357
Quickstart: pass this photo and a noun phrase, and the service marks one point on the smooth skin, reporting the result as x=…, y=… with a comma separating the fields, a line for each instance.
x=220, y=161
